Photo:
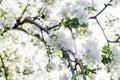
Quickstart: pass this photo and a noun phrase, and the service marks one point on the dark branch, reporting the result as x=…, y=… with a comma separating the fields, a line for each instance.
x=71, y=32
x=70, y=65
x=116, y=41
x=102, y=30
x=79, y=64
x=66, y=56
x=36, y=17
x=36, y=24
x=106, y=5
x=18, y=21
x=29, y=20
x=4, y=68
x=95, y=17
x=49, y=28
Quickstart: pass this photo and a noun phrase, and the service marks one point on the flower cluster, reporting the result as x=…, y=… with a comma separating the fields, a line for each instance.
x=51, y=40
x=61, y=39
x=91, y=54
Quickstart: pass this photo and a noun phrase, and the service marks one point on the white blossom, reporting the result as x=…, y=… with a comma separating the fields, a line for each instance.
x=91, y=54
x=26, y=56
x=82, y=16
x=65, y=75
x=61, y=39
x=102, y=75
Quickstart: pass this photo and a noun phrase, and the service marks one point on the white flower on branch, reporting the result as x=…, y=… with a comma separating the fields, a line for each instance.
x=92, y=53
x=102, y=75
x=82, y=16
x=61, y=39
x=10, y=21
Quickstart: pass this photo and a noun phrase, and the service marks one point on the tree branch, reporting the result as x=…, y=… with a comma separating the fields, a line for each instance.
x=79, y=64
x=36, y=24
x=66, y=56
x=116, y=41
x=102, y=30
x=106, y=5
x=49, y=28
x=18, y=21
x=4, y=68
x=95, y=17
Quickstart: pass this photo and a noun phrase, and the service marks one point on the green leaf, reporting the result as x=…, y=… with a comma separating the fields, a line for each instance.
x=53, y=35
x=43, y=16
x=65, y=25
x=75, y=75
x=1, y=55
x=75, y=20
x=20, y=5
x=58, y=52
x=93, y=8
x=105, y=47
x=87, y=71
x=2, y=13
x=104, y=51
x=117, y=35
x=46, y=26
x=84, y=25
x=17, y=70
x=106, y=61
x=67, y=19
x=1, y=34
x=107, y=55
x=74, y=23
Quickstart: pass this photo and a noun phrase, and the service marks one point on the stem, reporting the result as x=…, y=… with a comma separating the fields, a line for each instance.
x=102, y=31
x=79, y=64
x=106, y=5
x=36, y=24
x=4, y=68
x=49, y=28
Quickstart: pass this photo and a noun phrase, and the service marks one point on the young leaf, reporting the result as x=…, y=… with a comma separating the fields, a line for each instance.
x=84, y=25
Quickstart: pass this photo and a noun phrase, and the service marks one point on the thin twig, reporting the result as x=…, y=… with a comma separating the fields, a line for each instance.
x=71, y=32
x=102, y=30
x=79, y=64
x=49, y=28
x=95, y=17
x=35, y=23
x=106, y=5
x=70, y=65
x=116, y=41
x=18, y=21
x=66, y=56
x=4, y=68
